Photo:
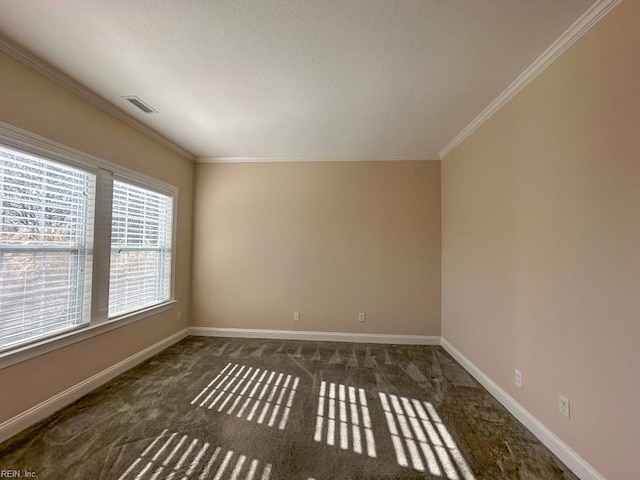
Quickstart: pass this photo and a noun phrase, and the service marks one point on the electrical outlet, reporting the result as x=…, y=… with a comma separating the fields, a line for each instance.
x=517, y=379
x=178, y=316
x=563, y=405
x=296, y=317
x=362, y=317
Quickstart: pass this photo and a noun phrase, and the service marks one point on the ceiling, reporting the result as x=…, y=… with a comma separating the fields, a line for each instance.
x=297, y=79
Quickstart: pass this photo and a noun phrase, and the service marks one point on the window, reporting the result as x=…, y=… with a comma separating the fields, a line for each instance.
x=78, y=248
x=140, y=248
x=46, y=236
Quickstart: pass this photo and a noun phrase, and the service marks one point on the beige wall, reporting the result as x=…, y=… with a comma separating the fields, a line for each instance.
x=32, y=102
x=541, y=251
x=328, y=240
x=541, y=245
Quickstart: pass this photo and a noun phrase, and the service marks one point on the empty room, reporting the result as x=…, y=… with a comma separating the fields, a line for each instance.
x=320, y=239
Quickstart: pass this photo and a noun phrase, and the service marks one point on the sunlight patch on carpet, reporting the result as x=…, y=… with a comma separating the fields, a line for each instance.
x=345, y=413
x=252, y=393
x=179, y=457
x=420, y=439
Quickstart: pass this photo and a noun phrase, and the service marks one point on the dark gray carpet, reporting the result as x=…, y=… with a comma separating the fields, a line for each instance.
x=268, y=409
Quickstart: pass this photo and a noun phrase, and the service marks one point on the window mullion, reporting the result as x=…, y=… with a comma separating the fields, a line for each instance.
x=102, y=247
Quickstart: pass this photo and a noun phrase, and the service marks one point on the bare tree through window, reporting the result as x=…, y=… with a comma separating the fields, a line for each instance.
x=46, y=218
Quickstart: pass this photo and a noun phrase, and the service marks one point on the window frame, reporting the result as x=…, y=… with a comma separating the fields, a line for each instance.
x=105, y=171
x=174, y=213
x=81, y=251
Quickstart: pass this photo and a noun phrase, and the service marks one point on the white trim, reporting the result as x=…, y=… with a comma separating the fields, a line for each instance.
x=315, y=336
x=35, y=144
x=598, y=10
x=31, y=350
x=50, y=406
x=80, y=90
x=321, y=158
x=569, y=457
x=31, y=143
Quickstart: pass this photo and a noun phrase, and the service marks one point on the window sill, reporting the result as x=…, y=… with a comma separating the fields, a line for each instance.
x=25, y=352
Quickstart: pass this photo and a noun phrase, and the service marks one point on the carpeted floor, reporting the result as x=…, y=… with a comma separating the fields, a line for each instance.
x=268, y=409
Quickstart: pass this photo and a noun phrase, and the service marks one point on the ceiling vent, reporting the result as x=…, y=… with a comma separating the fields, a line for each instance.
x=140, y=104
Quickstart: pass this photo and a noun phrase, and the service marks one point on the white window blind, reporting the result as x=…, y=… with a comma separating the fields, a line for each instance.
x=46, y=247
x=141, y=243
x=85, y=245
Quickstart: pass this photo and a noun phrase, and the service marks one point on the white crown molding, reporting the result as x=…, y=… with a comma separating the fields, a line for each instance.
x=598, y=10
x=315, y=336
x=62, y=79
x=44, y=409
x=320, y=158
x=568, y=456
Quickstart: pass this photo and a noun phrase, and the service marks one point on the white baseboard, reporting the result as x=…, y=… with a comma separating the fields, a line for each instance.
x=570, y=458
x=315, y=336
x=50, y=406
x=41, y=411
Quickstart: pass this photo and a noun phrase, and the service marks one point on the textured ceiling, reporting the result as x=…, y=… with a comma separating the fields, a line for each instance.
x=298, y=78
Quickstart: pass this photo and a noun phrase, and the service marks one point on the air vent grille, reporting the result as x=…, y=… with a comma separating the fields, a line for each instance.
x=140, y=104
